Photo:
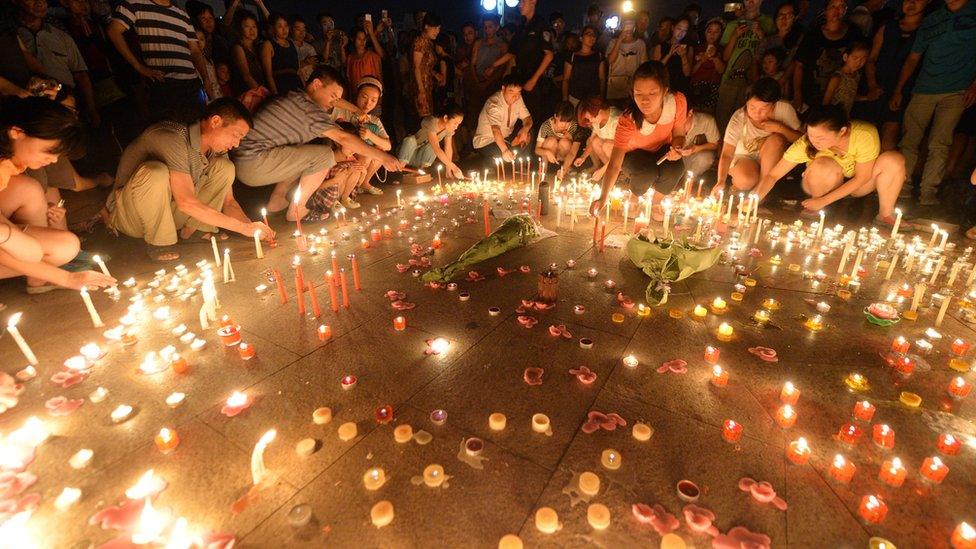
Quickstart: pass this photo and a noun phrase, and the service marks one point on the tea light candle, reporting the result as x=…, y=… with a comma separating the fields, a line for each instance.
x=842, y=470
x=81, y=458
x=598, y=515
x=786, y=417
x=382, y=514
x=121, y=413
x=790, y=394
x=892, y=473
x=900, y=345
x=718, y=305
x=347, y=382
x=948, y=445
x=540, y=424
x=399, y=323
x=815, y=323
x=347, y=431
x=322, y=416
x=374, y=478
x=68, y=497
x=589, y=483
x=872, y=509
x=547, y=520
x=438, y=417
x=720, y=377
x=849, y=434
x=963, y=537
x=434, y=476
x=725, y=331
x=167, y=440
x=175, y=399
x=324, y=332
x=630, y=361
x=798, y=452
x=610, y=459
x=699, y=312
x=884, y=436
x=933, y=470
x=731, y=431
x=761, y=316
x=857, y=382
x=497, y=422
x=642, y=431
x=711, y=354
x=959, y=388
x=864, y=410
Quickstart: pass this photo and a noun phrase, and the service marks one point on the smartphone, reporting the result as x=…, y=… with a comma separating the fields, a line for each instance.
x=384, y=14
x=613, y=22
x=369, y=17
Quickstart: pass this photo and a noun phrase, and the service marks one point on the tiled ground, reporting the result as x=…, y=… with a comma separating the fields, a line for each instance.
x=294, y=373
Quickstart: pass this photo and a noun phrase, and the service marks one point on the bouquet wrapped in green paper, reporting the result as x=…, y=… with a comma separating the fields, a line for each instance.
x=666, y=262
x=514, y=232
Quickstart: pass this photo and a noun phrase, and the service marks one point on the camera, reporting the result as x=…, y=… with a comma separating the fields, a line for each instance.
x=732, y=7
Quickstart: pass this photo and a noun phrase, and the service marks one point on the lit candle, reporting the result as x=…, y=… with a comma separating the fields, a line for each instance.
x=864, y=410
x=933, y=469
x=842, y=470
x=942, y=310
x=258, y=249
x=963, y=537
x=324, y=332
x=892, y=473
x=700, y=312
x=19, y=339
x=894, y=229
x=374, y=478
x=820, y=226
x=101, y=265
x=843, y=257
x=959, y=388
x=849, y=434
x=216, y=253
x=611, y=459
x=720, y=377
x=259, y=471
x=666, y=204
x=718, y=305
x=725, y=331
x=167, y=440
x=399, y=323
x=798, y=452
x=948, y=445
x=236, y=403
x=355, y=270
x=891, y=267
x=786, y=417
x=872, y=509
x=790, y=394
x=711, y=354
x=883, y=436
x=731, y=431
x=121, y=413
x=96, y=320
x=900, y=345
x=246, y=351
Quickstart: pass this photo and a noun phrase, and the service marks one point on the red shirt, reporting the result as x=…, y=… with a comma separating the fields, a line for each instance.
x=674, y=112
x=368, y=64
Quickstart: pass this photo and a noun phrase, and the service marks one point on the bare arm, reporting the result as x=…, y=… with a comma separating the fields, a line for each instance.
x=831, y=90
x=612, y=173
x=439, y=152
x=911, y=63
x=496, y=132
x=360, y=147
x=871, y=68
x=240, y=62
x=116, y=31
x=781, y=168
x=862, y=174
x=372, y=38
x=184, y=195
x=567, y=73
x=267, y=52
x=724, y=164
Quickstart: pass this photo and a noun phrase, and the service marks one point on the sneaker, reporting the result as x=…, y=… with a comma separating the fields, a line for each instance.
x=350, y=203
x=371, y=189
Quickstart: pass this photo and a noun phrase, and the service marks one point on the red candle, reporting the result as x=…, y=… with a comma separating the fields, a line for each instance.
x=900, y=345
x=436, y=243
x=798, y=452
x=325, y=332
x=281, y=287
x=400, y=323
x=849, y=434
x=720, y=377
x=300, y=295
x=963, y=537
x=596, y=227
x=873, y=509
x=960, y=347
x=345, y=288
x=711, y=354
x=959, y=387
x=335, y=266
x=883, y=436
x=179, y=364
x=731, y=431
x=892, y=473
x=299, y=273
x=315, y=301
x=334, y=299
x=842, y=470
x=355, y=272
x=387, y=231
x=365, y=243
x=786, y=417
x=904, y=365
x=864, y=410
x=167, y=440
x=603, y=235
x=246, y=351
x=347, y=382
x=229, y=335
x=790, y=394
x=933, y=469
x=487, y=221
x=948, y=445
x=375, y=235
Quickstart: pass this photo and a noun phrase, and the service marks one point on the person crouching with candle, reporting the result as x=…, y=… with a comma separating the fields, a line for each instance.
x=496, y=123
x=602, y=119
x=559, y=138
x=648, y=138
x=843, y=158
x=434, y=141
x=370, y=128
x=34, y=132
x=175, y=180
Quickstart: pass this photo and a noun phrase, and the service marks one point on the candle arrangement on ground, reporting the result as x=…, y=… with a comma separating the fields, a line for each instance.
x=852, y=340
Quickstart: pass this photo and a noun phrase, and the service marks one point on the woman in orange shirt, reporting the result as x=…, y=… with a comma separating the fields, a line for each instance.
x=648, y=136
x=364, y=61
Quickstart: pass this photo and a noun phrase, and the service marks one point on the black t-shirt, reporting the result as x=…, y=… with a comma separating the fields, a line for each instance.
x=530, y=46
x=822, y=57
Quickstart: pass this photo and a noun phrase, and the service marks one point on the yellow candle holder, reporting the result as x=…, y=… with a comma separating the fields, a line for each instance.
x=959, y=365
x=643, y=310
x=699, y=312
x=910, y=315
x=617, y=318
x=844, y=279
x=814, y=324
x=749, y=281
x=857, y=382
x=737, y=296
x=770, y=304
x=675, y=313
x=844, y=294
x=761, y=316
x=911, y=400
x=724, y=332
x=775, y=260
x=794, y=267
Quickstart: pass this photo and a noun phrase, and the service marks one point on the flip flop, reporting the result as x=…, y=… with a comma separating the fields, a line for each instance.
x=44, y=288
x=156, y=253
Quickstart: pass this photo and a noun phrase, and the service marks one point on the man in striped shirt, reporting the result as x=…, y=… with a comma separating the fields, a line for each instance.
x=171, y=59
x=279, y=150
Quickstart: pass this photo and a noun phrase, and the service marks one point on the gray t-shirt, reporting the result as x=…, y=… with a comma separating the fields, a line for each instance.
x=292, y=119
x=427, y=126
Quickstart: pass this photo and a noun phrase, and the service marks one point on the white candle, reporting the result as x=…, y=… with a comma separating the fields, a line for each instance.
x=917, y=298
x=891, y=267
x=626, y=212
x=728, y=213
x=942, y=243
x=258, y=470
x=857, y=263
x=938, y=269
x=942, y=310
x=19, y=339
x=258, y=249
x=935, y=234
x=759, y=228
x=953, y=272
x=820, y=227
x=101, y=265
x=96, y=320
x=559, y=212
x=741, y=200
x=894, y=229
x=226, y=265
x=972, y=276
x=843, y=257
x=667, y=216
x=213, y=244
x=755, y=207
x=398, y=198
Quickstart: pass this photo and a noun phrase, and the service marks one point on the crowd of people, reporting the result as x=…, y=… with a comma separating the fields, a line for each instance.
x=873, y=99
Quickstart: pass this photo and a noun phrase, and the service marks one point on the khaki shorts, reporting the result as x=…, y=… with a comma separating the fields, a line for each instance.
x=286, y=163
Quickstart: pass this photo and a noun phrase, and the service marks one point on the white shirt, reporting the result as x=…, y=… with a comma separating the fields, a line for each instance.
x=608, y=130
x=497, y=112
x=702, y=124
x=747, y=138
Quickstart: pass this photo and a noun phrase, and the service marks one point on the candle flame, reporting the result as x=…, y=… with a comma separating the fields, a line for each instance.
x=872, y=503
x=896, y=464
x=787, y=411
x=237, y=398
x=801, y=444
x=966, y=531
x=839, y=461
x=788, y=387
x=151, y=524
x=14, y=319
x=147, y=485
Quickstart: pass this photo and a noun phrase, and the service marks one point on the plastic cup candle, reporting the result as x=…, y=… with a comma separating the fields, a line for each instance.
x=790, y=394
x=864, y=410
x=842, y=470
x=883, y=436
x=960, y=347
x=786, y=417
x=731, y=431
x=347, y=382
x=434, y=476
x=718, y=305
x=798, y=452
x=167, y=440
x=948, y=445
x=725, y=331
x=892, y=473
x=900, y=345
x=720, y=377
x=399, y=323
x=374, y=478
x=872, y=509
x=959, y=388
x=963, y=537
x=610, y=459
x=711, y=354
x=849, y=434
x=933, y=470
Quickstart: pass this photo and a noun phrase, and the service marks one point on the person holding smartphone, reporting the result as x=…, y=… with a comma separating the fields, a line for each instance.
x=739, y=44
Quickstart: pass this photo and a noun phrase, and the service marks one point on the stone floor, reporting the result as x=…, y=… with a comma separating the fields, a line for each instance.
x=294, y=373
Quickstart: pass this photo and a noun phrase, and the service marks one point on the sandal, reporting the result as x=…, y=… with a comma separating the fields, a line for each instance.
x=204, y=237
x=373, y=190
x=157, y=253
x=44, y=288
x=314, y=216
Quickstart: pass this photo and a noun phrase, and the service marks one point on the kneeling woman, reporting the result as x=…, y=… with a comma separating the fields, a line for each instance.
x=422, y=148
x=34, y=131
x=843, y=158
x=649, y=133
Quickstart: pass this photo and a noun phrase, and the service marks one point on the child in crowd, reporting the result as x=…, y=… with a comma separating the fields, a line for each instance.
x=223, y=80
x=602, y=119
x=559, y=138
x=842, y=86
x=701, y=142
x=369, y=91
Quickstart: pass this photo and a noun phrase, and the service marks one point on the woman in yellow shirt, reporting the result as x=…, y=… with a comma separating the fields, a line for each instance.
x=843, y=158
x=34, y=131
